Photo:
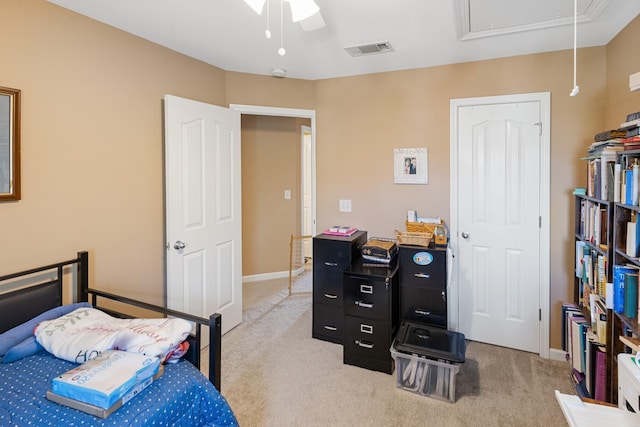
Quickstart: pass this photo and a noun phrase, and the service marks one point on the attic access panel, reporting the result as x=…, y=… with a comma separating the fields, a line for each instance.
x=486, y=18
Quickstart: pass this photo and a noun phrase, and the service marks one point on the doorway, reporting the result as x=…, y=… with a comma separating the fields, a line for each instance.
x=301, y=188
x=500, y=174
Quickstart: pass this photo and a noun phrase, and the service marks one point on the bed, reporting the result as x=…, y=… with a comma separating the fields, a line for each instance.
x=183, y=396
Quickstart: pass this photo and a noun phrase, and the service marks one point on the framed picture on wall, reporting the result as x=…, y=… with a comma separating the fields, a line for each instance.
x=410, y=166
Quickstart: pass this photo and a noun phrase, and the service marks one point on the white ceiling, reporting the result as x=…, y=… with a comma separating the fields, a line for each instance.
x=422, y=33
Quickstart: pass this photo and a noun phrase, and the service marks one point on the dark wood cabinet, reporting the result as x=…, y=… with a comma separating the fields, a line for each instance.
x=423, y=285
x=371, y=315
x=332, y=255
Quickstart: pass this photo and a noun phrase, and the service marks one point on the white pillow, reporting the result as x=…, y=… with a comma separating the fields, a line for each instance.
x=86, y=332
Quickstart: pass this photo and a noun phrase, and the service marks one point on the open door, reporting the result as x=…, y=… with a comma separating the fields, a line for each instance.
x=203, y=210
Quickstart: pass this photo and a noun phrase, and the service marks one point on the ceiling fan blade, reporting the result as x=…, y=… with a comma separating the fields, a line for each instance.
x=256, y=5
x=302, y=9
x=314, y=22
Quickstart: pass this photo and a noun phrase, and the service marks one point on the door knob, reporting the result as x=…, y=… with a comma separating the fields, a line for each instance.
x=178, y=245
x=465, y=235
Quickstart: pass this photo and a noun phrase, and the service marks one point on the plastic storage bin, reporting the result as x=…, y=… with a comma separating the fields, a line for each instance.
x=427, y=359
x=433, y=378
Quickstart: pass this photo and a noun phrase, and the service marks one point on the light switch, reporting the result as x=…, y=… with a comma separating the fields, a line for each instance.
x=345, y=205
x=287, y=194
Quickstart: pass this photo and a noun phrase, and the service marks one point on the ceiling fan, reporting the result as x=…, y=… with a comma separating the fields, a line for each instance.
x=306, y=12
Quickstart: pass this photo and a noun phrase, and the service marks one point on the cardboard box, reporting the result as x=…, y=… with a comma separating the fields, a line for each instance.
x=104, y=380
x=104, y=412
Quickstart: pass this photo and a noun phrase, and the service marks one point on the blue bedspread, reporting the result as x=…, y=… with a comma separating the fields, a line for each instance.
x=181, y=397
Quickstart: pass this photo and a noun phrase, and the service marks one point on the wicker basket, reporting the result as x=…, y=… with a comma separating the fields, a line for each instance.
x=421, y=227
x=413, y=238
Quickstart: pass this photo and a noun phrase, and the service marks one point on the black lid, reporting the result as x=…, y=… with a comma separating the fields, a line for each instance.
x=431, y=342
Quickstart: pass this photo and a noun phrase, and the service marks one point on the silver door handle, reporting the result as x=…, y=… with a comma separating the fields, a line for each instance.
x=465, y=235
x=178, y=245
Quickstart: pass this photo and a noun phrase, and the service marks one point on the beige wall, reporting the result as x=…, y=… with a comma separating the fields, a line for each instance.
x=91, y=143
x=92, y=138
x=271, y=155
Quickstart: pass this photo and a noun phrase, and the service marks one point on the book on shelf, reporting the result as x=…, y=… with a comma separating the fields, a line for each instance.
x=632, y=131
x=599, y=320
x=632, y=243
x=600, y=374
x=105, y=412
x=630, y=305
x=578, y=327
x=567, y=309
x=633, y=116
x=629, y=124
x=619, y=274
x=617, y=176
x=609, y=134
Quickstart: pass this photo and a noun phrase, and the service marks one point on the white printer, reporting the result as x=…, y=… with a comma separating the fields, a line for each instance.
x=628, y=383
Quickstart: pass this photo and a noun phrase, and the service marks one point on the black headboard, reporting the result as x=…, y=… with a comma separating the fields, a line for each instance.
x=34, y=291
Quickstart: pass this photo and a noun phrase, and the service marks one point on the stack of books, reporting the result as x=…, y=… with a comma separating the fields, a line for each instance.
x=606, y=178
x=631, y=127
x=102, y=385
x=379, y=252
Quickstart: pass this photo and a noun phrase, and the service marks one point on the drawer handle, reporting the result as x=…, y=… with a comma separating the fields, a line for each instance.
x=422, y=312
x=366, y=329
x=422, y=275
x=330, y=296
x=364, y=344
x=330, y=328
x=366, y=289
x=364, y=304
x=330, y=264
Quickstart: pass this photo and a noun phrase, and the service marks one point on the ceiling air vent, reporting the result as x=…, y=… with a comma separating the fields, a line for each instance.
x=369, y=49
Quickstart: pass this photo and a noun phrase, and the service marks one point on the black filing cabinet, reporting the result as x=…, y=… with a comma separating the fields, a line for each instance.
x=423, y=285
x=371, y=315
x=332, y=255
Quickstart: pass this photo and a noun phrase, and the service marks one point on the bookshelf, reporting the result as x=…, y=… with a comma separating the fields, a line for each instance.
x=625, y=212
x=594, y=233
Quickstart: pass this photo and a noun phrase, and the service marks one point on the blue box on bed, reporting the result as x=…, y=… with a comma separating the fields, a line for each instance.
x=104, y=380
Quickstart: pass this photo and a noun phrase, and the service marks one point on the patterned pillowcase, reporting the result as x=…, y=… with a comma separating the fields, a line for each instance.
x=21, y=332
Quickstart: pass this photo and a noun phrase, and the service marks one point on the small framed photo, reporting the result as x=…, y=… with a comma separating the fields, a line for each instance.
x=410, y=166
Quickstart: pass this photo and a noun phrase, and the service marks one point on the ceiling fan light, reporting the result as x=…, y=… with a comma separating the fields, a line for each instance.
x=302, y=9
x=256, y=5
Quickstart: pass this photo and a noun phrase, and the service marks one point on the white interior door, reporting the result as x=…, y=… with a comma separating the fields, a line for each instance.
x=499, y=231
x=203, y=216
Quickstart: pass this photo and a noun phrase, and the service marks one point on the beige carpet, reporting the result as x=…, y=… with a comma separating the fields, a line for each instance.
x=275, y=374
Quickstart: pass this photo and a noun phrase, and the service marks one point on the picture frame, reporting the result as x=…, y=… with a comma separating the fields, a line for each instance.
x=9, y=144
x=410, y=166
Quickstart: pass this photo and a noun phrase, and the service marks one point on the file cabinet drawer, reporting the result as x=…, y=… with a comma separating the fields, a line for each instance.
x=336, y=253
x=328, y=323
x=423, y=305
x=328, y=288
x=367, y=298
x=423, y=267
x=368, y=338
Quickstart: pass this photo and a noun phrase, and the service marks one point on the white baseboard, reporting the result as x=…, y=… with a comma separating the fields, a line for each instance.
x=271, y=276
x=265, y=276
x=556, y=354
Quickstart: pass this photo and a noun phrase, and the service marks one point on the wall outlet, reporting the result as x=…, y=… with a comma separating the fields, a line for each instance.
x=345, y=205
x=287, y=194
